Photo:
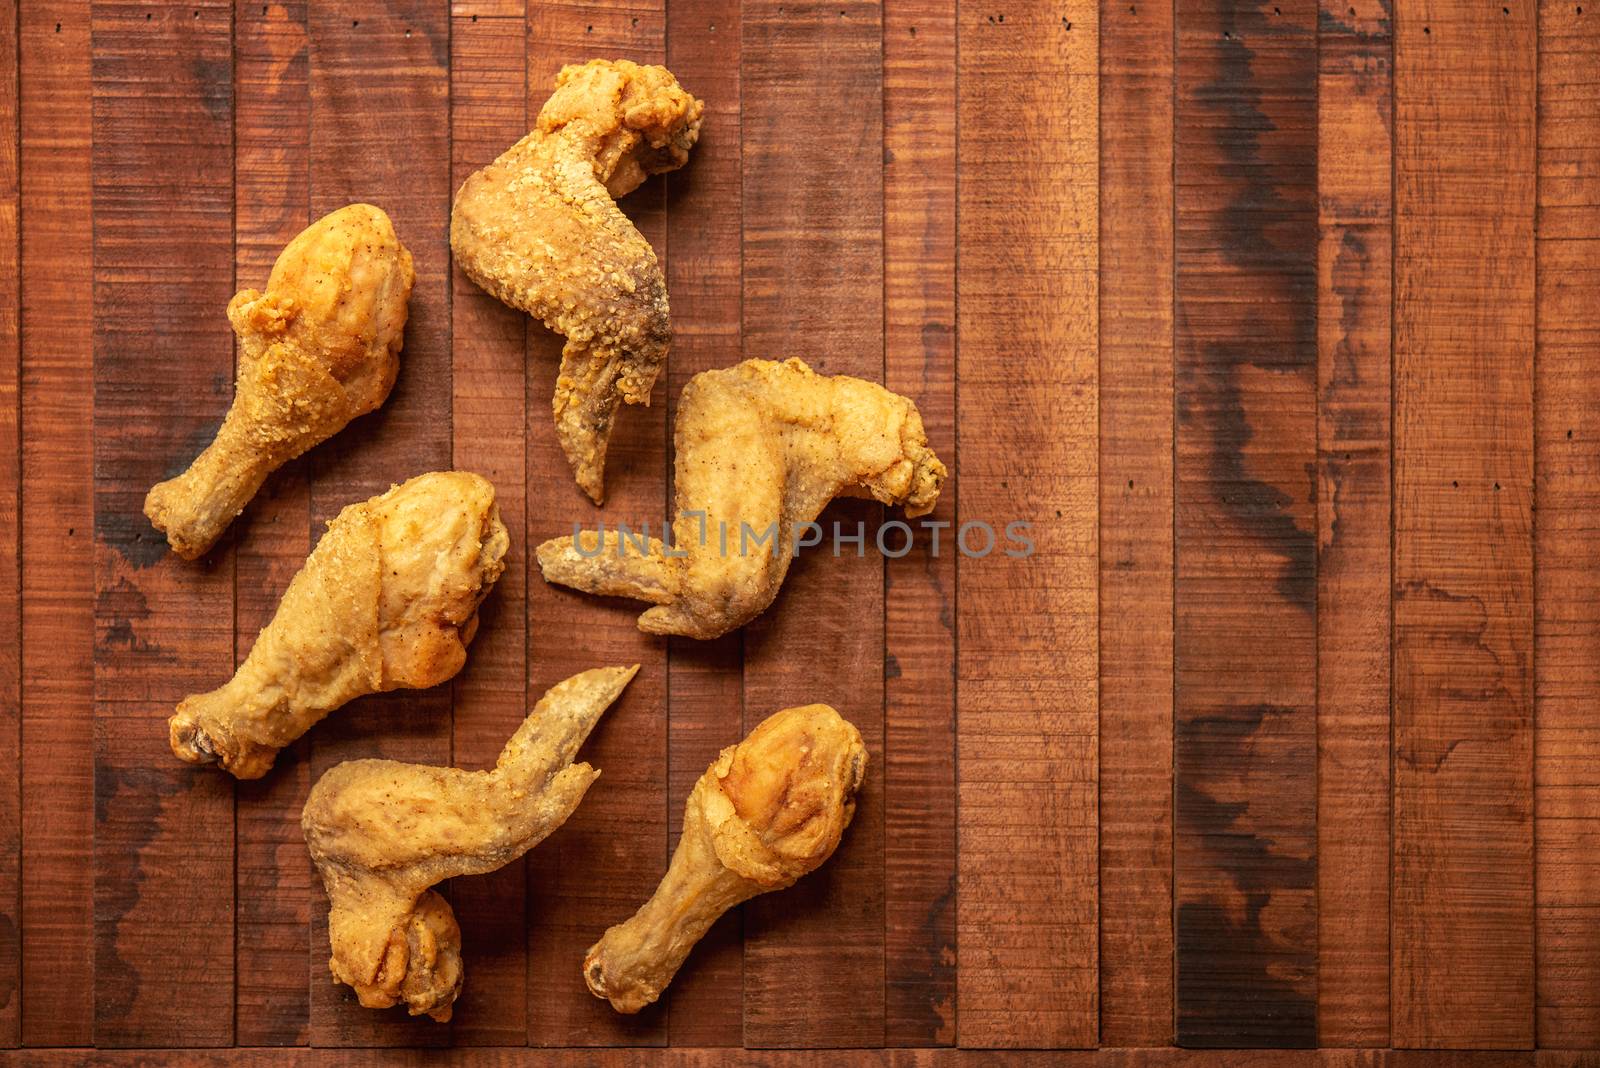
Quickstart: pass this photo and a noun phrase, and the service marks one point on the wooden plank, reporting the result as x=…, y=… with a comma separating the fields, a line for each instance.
x=1027, y=628
x=1566, y=585
x=705, y=680
x=1462, y=883
x=1355, y=210
x=919, y=193
x=10, y=535
x=609, y=856
x=811, y=78
x=1246, y=593
x=1567, y=589
x=58, y=485
x=273, y=877
x=488, y=112
x=867, y=1058
x=380, y=133
x=163, y=264
x=1136, y=434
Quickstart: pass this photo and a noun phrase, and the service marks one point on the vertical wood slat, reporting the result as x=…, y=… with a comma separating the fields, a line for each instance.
x=1353, y=623
x=488, y=113
x=380, y=132
x=10, y=533
x=1462, y=884
x=1027, y=629
x=919, y=138
x=811, y=94
x=606, y=860
x=273, y=875
x=57, y=525
x=1566, y=585
x=705, y=679
x=163, y=251
x=1136, y=517
x=1245, y=599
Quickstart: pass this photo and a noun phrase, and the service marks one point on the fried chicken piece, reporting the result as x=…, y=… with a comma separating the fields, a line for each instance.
x=762, y=447
x=382, y=832
x=316, y=350
x=387, y=600
x=766, y=812
x=539, y=229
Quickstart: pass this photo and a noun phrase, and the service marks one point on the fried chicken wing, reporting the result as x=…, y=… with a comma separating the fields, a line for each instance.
x=762, y=447
x=316, y=350
x=388, y=599
x=769, y=810
x=539, y=229
x=382, y=832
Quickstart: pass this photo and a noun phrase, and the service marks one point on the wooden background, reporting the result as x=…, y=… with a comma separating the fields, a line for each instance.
x=1280, y=322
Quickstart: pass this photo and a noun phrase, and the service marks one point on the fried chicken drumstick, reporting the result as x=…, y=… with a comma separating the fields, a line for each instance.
x=388, y=599
x=766, y=812
x=763, y=447
x=539, y=229
x=382, y=832
x=316, y=350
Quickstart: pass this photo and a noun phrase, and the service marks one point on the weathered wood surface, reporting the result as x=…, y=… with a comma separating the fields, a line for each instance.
x=1276, y=321
x=1462, y=948
x=1245, y=601
x=58, y=590
x=1354, y=394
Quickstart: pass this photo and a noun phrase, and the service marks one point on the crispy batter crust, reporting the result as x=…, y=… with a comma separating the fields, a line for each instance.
x=539, y=228
x=761, y=447
x=382, y=832
x=317, y=349
x=766, y=812
x=388, y=599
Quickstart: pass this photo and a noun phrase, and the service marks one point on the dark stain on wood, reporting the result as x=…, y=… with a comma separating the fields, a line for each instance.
x=1265, y=236
x=1246, y=398
x=1352, y=269
x=1227, y=952
x=213, y=77
x=133, y=797
x=130, y=537
x=1259, y=508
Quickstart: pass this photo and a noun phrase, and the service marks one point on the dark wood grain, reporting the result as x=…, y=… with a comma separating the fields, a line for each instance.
x=488, y=113
x=57, y=528
x=606, y=860
x=705, y=680
x=919, y=261
x=1027, y=628
x=163, y=268
x=1246, y=588
x=1136, y=522
x=380, y=133
x=272, y=189
x=811, y=89
x=11, y=534
x=1355, y=214
x=1566, y=582
x=1462, y=898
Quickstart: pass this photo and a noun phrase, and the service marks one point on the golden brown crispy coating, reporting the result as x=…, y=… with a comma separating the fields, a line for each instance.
x=763, y=447
x=381, y=832
x=766, y=812
x=539, y=229
x=388, y=599
x=316, y=350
